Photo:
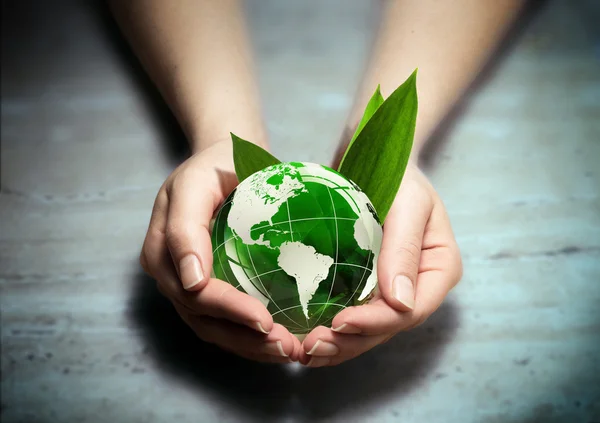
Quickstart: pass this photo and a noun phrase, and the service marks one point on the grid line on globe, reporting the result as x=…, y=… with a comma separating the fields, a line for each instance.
x=337, y=250
x=302, y=239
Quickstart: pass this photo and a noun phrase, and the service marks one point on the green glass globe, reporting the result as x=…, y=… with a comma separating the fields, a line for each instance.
x=302, y=239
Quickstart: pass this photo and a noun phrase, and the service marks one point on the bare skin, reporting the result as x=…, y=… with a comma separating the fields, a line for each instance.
x=197, y=53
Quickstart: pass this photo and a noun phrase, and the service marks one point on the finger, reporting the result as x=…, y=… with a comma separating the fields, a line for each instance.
x=288, y=341
x=273, y=355
x=398, y=263
x=374, y=318
x=218, y=299
x=155, y=257
x=323, y=347
x=221, y=300
x=379, y=318
x=441, y=267
x=440, y=250
x=297, y=351
x=156, y=227
x=160, y=267
x=242, y=341
x=191, y=206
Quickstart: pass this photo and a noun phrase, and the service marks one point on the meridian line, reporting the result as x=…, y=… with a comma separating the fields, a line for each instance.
x=337, y=246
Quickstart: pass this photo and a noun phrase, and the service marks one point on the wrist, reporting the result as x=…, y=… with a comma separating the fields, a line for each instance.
x=205, y=138
x=208, y=119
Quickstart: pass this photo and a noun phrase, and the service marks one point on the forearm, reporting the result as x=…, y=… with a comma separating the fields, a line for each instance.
x=448, y=41
x=198, y=55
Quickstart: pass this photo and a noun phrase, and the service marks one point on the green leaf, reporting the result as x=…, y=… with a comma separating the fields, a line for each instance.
x=249, y=158
x=377, y=159
x=372, y=106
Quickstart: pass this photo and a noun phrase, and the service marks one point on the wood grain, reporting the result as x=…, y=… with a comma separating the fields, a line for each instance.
x=86, y=145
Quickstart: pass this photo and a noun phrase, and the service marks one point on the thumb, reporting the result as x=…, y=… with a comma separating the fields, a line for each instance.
x=188, y=235
x=398, y=264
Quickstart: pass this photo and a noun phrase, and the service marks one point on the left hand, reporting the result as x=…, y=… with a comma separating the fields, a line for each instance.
x=418, y=265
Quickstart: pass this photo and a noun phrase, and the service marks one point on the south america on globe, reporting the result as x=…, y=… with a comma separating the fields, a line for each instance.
x=301, y=238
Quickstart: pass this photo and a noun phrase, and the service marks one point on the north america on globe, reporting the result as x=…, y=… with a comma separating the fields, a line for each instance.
x=302, y=239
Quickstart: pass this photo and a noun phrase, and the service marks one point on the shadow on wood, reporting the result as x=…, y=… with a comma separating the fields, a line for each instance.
x=390, y=370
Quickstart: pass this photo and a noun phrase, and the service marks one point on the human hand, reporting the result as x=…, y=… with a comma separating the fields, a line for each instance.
x=418, y=265
x=177, y=252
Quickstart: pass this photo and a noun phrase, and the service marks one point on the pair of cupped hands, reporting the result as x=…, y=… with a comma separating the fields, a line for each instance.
x=418, y=265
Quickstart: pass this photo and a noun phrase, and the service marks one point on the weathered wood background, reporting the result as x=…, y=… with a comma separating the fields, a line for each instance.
x=86, y=144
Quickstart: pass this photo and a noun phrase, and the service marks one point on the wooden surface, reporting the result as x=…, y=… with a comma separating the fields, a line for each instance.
x=86, y=144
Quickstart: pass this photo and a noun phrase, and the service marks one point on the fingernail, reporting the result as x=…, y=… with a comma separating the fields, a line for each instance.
x=404, y=291
x=346, y=328
x=318, y=361
x=324, y=348
x=190, y=271
x=275, y=348
x=260, y=328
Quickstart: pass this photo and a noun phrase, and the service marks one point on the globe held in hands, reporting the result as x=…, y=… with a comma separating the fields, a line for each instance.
x=302, y=239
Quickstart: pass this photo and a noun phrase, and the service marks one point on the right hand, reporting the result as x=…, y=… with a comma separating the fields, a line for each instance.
x=177, y=252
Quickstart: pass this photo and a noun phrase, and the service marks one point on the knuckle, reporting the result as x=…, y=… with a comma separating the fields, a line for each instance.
x=146, y=259
x=392, y=317
x=416, y=190
x=408, y=252
x=154, y=234
x=411, y=187
x=178, y=179
x=176, y=233
x=184, y=177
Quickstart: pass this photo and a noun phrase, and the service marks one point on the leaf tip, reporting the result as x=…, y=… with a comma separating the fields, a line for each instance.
x=413, y=76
